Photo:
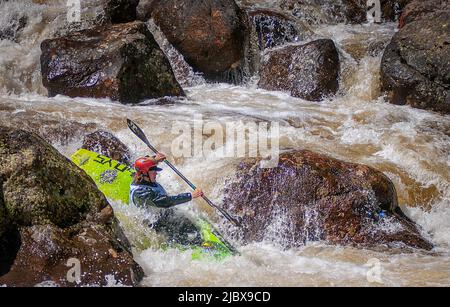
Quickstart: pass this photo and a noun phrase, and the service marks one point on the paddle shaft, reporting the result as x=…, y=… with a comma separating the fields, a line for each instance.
x=140, y=134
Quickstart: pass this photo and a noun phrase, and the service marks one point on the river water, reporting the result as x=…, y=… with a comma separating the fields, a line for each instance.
x=411, y=146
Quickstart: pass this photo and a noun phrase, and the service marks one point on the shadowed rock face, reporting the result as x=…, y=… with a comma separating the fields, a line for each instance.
x=311, y=197
x=121, y=10
x=308, y=71
x=272, y=28
x=54, y=212
x=212, y=35
x=414, y=68
x=105, y=143
x=122, y=62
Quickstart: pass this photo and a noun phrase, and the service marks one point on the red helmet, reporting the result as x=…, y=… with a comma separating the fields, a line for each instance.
x=145, y=164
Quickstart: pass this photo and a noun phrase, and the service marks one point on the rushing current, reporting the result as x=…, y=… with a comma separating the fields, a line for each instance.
x=411, y=146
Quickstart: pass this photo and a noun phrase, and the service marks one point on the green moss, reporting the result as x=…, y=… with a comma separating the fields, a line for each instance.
x=48, y=188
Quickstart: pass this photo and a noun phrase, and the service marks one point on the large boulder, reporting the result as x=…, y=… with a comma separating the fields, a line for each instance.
x=212, y=35
x=106, y=144
x=415, y=66
x=273, y=28
x=54, y=212
x=312, y=197
x=309, y=71
x=122, y=62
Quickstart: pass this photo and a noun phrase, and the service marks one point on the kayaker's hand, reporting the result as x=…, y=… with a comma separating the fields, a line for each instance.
x=160, y=157
x=197, y=193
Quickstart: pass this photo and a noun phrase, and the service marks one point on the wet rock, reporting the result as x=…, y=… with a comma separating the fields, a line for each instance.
x=212, y=35
x=121, y=10
x=55, y=213
x=311, y=197
x=341, y=11
x=106, y=144
x=416, y=10
x=361, y=48
x=122, y=62
x=414, y=67
x=392, y=9
x=377, y=47
x=308, y=71
x=327, y=11
x=273, y=28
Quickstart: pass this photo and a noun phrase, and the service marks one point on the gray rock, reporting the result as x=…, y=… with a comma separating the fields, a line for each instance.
x=415, y=66
x=309, y=71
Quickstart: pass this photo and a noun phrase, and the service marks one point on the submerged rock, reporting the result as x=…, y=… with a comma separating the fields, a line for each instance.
x=212, y=35
x=311, y=197
x=55, y=214
x=309, y=71
x=53, y=129
x=13, y=27
x=392, y=9
x=273, y=28
x=327, y=11
x=106, y=144
x=122, y=62
x=415, y=66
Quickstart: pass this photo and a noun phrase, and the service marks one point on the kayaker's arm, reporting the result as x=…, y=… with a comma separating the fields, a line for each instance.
x=144, y=197
x=164, y=201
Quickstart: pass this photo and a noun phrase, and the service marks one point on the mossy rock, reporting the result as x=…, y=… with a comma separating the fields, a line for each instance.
x=40, y=186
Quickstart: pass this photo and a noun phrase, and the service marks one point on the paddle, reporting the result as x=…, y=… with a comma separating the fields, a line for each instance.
x=140, y=134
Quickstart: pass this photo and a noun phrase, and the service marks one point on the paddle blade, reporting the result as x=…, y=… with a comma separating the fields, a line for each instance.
x=138, y=132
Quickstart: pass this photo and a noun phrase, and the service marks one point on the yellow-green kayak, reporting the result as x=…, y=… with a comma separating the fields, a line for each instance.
x=113, y=179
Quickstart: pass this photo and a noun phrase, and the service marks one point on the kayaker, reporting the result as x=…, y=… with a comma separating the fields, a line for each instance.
x=146, y=193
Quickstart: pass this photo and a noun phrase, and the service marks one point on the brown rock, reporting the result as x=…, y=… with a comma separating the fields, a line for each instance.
x=122, y=62
x=415, y=66
x=212, y=35
x=311, y=197
x=308, y=71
